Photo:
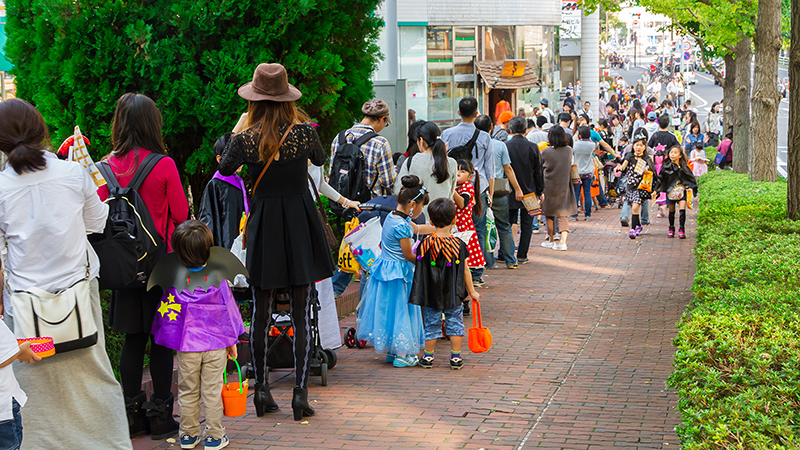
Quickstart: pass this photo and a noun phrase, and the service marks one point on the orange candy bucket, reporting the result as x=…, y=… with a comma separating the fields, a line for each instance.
x=234, y=395
x=42, y=346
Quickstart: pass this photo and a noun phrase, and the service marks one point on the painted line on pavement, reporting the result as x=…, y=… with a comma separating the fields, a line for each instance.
x=705, y=103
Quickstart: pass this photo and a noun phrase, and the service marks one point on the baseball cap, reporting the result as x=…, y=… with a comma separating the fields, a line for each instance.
x=651, y=115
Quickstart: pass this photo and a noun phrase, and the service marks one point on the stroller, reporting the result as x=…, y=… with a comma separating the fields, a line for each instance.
x=280, y=339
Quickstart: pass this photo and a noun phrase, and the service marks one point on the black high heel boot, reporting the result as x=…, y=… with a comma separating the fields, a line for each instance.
x=300, y=405
x=263, y=400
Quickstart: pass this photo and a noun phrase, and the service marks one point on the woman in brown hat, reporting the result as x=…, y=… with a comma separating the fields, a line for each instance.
x=286, y=247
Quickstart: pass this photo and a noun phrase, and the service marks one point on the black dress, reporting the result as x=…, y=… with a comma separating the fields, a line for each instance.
x=286, y=244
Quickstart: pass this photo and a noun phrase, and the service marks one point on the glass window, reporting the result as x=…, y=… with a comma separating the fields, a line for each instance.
x=440, y=74
x=498, y=43
x=464, y=54
x=536, y=44
x=413, y=65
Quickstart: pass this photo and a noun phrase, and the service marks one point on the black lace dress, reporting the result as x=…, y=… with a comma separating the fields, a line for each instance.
x=286, y=244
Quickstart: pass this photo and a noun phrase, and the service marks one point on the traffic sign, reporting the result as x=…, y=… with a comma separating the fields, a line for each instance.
x=636, y=23
x=687, y=56
x=687, y=45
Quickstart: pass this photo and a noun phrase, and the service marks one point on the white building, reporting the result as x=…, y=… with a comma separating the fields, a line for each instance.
x=448, y=49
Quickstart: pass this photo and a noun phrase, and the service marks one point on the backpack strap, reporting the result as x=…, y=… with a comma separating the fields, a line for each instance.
x=105, y=170
x=472, y=141
x=144, y=169
x=342, y=137
x=365, y=138
x=408, y=162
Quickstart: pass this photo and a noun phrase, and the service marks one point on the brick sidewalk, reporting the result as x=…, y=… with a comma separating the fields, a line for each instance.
x=582, y=349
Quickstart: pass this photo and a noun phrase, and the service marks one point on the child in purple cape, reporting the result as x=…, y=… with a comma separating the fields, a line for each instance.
x=198, y=317
x=224, y=201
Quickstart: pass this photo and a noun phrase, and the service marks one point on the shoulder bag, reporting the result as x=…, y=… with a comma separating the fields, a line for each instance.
x=258, y=180
x=65, y=316
x=333, y=243
x=676, y=193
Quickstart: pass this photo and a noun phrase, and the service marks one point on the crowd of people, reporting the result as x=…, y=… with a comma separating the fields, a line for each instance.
x=516, y=176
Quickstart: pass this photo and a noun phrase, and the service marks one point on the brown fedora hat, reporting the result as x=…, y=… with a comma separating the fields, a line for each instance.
x=270, y=82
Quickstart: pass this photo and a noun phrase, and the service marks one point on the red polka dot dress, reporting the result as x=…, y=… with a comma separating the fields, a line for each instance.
x=464, y=223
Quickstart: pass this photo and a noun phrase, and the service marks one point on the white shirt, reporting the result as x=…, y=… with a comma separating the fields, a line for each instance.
x=672, y=87
x=9, y=388
x=44, y=219
x=654, y=87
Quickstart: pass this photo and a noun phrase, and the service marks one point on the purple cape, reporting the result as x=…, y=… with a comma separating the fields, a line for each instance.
x=198, y=321
x=236, y=181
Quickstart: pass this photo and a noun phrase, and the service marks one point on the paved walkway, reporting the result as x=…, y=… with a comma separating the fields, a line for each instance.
x=582, y=349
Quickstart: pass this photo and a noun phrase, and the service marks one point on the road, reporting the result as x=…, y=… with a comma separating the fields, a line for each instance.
x=705, y=93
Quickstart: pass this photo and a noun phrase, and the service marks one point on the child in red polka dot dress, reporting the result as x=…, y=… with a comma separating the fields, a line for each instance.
x=465, y=202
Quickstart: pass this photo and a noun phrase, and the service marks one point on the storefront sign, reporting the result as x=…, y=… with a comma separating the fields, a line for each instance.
x=464, y=78
x=570, y=20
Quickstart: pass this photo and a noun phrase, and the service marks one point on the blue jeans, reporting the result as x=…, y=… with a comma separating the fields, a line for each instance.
x=453, y=322
x=340, y=281
x=480, y=228
x=645, y=212
x=11, y=430
x=500, y=210
x=525, y=232
x=601, y=198
x=586, y=184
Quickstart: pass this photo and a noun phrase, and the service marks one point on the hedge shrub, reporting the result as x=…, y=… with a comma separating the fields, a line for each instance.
x=737, y=367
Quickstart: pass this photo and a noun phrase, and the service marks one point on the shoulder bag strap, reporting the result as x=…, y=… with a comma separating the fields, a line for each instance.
x=144, y=169
x=266, y=166
x=317, y=200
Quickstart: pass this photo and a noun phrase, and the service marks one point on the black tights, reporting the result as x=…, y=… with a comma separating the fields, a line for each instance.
x=132, y=362
x=682, y=219
x=300, y=311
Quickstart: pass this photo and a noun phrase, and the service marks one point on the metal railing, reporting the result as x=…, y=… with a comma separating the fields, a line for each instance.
x=783, y=60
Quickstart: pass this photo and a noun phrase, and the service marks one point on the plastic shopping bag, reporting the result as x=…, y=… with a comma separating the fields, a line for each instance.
x=365, y=242
x=240, y=281
x=492, y=238
x=348, y=263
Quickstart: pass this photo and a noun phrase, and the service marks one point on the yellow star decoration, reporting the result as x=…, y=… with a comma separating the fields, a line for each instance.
x=173, y=315
x=171, y=298
x=166, y=307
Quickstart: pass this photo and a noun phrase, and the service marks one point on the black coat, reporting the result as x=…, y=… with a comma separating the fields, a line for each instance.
x=671, y=174
x=527, y=165
x=439, y=281
x=221, y=208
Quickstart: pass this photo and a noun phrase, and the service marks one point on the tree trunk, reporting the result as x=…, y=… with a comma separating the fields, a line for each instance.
x=764, y=126
x=728, y=93
x=793, y=156
x=741, y=106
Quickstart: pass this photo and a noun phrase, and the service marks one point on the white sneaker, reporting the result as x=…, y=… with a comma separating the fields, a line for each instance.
x=547, y=244
x=560, y=247
x=535, y=231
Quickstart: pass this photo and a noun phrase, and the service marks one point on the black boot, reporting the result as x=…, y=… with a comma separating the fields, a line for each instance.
x=263, y=400
x=162, y=424
x=137, y=422
x=300, y=405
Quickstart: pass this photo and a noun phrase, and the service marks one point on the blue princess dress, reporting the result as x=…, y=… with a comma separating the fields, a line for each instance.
x=385, y=318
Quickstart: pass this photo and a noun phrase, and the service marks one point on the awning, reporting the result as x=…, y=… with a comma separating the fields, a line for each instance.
x=491, y=73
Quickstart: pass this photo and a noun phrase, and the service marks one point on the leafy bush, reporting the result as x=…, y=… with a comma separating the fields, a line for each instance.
x=737, y=368
x=74, y=59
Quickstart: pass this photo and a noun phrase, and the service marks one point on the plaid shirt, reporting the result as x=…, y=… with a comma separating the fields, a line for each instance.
x=378, y=157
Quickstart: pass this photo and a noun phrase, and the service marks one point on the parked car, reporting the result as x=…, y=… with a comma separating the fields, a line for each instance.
x=651, y=50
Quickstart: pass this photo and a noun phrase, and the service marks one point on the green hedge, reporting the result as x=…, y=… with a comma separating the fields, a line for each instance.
x=737, y=367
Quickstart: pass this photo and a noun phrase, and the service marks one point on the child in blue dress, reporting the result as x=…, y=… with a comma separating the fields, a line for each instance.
x=385, y=318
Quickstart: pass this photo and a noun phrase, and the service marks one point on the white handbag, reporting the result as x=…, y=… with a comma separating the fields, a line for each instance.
x=65, y=316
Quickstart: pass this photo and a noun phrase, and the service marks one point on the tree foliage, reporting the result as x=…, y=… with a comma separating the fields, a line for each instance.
x=74, y=58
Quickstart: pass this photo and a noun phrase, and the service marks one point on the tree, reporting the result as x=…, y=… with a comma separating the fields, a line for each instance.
x=766, y=99
x=74, y=58
x=793, y=156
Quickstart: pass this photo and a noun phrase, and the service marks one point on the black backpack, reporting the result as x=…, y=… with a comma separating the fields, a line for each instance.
x=465, y=151
x=349, y=171
x=130, y=246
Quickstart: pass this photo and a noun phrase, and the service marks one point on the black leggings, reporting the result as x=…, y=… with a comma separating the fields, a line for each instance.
x=132, y=362
x=300, y=307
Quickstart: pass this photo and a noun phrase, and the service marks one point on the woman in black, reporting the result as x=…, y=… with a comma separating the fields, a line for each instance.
x=286, y=247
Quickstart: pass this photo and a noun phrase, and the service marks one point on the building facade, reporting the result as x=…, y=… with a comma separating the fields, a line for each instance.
x=448, y=49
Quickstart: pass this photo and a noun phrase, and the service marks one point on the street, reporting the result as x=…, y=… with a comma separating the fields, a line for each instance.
x=705, y=93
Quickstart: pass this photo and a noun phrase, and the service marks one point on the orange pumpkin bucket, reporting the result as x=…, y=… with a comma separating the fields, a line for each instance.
x=234, y=395
x=42, y=346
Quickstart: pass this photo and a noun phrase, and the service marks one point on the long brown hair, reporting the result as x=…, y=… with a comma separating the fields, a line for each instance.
x=23, y=135
x=271, y=116
x=137, y=124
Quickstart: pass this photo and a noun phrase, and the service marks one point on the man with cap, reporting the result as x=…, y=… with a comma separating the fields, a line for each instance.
x=482, y=159
x=379, y=170
x=547, y=112
x=500, y=131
